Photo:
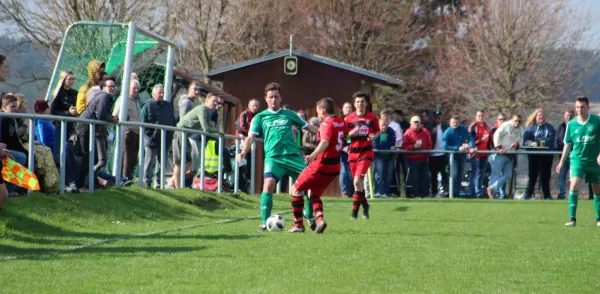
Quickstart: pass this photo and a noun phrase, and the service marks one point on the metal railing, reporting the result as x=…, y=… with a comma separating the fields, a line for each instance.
x=185, y=135
x=142, y=126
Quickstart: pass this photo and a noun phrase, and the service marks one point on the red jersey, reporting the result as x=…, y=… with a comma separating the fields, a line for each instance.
x=360, y=146
x=334, y=130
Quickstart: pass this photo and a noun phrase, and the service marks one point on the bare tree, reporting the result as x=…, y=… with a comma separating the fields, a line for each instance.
x=514, y=54
x=45, y=21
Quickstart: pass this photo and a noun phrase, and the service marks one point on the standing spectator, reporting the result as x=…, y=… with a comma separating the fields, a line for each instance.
x=309, y=140
x=426, y=122
x=132, y=135
x=560, y=144
x=390, y=117
x=97, y=109
x=458, y=138
x=95, y=70
x=160, y=112
x=384, y=162
x=438, y=162
x=539, y=133
x=401, y=167
x=63, y=104
x=3, y=69
x=45, y=134
x=242, y=124
x=481, y=134
x=197, y=119
x=509, y=136
x=399, y=118
x=499, y=121
x=215, y=118
x=417, y=138
x=190, y=100
x=346, y=181
x=3, y=152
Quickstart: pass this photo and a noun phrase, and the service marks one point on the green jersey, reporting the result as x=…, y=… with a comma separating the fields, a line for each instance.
x=276, y=129
x=585, y=139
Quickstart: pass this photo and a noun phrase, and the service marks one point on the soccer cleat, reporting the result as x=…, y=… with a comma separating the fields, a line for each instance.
x=597, y=222
x=321, y=226
x=572, y=223
x=262, y=228
x=295, y=229
x=312, y=223
x=354, y=215
x=366, y=211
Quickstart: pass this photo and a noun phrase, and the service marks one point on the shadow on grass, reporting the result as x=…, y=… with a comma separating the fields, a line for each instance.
x=428, y=234
x=401, y=208
x=48, y=254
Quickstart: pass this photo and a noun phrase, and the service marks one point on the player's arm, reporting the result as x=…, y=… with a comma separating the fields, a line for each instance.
x=568, y=141
x=326, y=133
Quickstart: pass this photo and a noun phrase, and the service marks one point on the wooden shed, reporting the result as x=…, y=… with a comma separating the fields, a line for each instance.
x=316, y=77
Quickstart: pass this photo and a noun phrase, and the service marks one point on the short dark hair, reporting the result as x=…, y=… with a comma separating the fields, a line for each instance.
x=8, y=98
x=583, y=99
x=327, y=104
x=109, y=78
x=2, y=58
x=360, y=94
x=273, y=87
x=455, y=117
x=424, y=111
x=398, y=111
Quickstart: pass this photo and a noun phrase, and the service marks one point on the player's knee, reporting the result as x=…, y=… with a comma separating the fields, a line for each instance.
x=269, y=185
x=295, y=191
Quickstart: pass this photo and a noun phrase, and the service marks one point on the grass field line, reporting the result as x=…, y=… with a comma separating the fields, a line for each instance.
x=141, y=235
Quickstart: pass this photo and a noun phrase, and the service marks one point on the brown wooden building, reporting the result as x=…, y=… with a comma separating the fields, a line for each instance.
x=316, y=77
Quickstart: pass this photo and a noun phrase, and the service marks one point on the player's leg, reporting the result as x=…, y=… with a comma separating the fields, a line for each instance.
x=358, y=183
x=594, y=178
x=320, y=184
x=272, y=173
x=297, y=192
x=577, y=176
x=363, y=169
x=3, y=191
x=295, y=166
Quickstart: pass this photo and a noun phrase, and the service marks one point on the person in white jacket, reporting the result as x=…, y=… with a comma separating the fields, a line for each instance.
x=508, y=137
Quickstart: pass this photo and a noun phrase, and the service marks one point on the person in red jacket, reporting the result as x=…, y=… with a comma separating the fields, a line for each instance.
x=482, y=136
x=417, y=138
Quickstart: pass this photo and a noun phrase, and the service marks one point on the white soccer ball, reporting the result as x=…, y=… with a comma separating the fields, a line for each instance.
x=275, y=223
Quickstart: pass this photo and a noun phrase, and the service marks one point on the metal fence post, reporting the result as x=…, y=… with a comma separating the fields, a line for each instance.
x=31, y=153
x=452, y=175
x=202, y=158
x=220, y=175
x=63, y=156
x=183, y=159
x=141, y=160
x=91, y=157
x=252, y=166
x=163, y=157
x=236, y=177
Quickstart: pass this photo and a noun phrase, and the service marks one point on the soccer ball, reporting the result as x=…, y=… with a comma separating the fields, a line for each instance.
x=275, y=223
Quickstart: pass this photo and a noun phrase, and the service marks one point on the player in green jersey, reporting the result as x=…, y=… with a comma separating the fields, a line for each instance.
x=583, y=135
x=282, y=155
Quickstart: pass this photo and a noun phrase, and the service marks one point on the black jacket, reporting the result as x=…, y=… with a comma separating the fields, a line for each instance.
x=434, y=133
x=160, y=113
x=61, y=104
x=559, y=139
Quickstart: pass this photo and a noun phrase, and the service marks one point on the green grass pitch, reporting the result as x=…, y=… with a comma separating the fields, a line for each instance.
x=185, y=241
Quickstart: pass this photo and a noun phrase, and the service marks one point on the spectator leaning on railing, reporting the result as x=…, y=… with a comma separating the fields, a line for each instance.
x=508, y=137
x=417, y=138
x=458, y=138
x=539, y=134
x=481, y=135
x=384, y=162
x=438, y=162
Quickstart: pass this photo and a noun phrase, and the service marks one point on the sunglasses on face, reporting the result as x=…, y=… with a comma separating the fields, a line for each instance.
x=501, y=119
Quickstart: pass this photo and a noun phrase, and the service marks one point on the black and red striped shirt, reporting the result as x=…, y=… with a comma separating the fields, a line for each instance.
x=334, y=130
x=360, y=146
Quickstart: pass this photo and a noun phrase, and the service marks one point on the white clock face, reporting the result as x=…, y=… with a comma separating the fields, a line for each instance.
x=291, y=65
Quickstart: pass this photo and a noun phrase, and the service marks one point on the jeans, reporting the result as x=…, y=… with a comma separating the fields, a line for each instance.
x=502, y=168
x=346, y=181
x=151, y=157
x=458, y=172
x=384, y=167
x=478, y=169
x=417, y=179
x=21, y=158
x=102, y=159
x=438, y=164
x=562, y=178
x=502, y=191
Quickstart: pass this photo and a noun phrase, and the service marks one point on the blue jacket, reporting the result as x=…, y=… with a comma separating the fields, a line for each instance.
x=44, y=132
x=385, y=141
x=537, y=133
x=454, y=138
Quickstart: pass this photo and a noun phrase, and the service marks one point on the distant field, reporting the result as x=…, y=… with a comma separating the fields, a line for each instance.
x=135, y=240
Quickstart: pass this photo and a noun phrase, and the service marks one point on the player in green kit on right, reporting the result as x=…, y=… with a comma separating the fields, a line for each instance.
x=282, y=155
x=583, y=134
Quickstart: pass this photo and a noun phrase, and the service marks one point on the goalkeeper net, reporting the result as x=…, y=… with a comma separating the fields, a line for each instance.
x=107, y=43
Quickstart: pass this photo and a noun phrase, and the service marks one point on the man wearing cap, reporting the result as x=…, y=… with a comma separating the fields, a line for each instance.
x=438, y=162
x=458, y=138
x=417, y=138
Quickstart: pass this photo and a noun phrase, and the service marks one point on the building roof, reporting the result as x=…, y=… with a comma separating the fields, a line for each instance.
x=316, y=58
x=210, y=88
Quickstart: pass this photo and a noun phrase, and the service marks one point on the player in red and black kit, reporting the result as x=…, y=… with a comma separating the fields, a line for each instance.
x=323, y=166
x=364, y=127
